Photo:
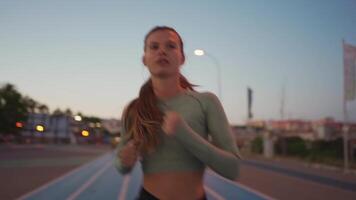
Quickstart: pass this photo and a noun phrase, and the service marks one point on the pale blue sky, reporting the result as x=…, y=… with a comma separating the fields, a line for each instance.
x=86, y=54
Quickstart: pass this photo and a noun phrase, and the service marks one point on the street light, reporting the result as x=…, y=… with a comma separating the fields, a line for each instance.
x=345, y=130
x=200, y=52
x=40, y=128
x=85, y=133
x=78, y=118
x=19, y=124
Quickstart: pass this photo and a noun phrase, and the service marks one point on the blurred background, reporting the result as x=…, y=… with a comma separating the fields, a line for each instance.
x=283, y=70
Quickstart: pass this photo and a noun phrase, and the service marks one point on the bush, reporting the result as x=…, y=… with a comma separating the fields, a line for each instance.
x=257, y=145
x=326, y=150
x=296, y=147
x=293, y=146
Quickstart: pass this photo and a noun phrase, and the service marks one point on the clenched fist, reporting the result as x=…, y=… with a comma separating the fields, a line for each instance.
x=171, y=120
x=128, y=154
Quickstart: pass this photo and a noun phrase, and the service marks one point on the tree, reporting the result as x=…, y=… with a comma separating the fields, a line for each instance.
x=31, y=104
x=43, y=109
x=68, y=112
x=13, y=108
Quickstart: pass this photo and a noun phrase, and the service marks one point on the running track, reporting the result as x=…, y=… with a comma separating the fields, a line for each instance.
x=100, y=180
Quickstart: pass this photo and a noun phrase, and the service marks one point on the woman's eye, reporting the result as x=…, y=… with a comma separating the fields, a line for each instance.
x=154, y=47
x=172, y=46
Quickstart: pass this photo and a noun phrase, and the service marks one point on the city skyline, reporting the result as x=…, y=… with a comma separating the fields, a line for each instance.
x=86, y=55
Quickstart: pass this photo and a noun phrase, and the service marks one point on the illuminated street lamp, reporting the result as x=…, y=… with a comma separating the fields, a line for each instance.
x=85, y=133
x=19, y=124
x=200, y=52
x=40, y=128
x=78, y=118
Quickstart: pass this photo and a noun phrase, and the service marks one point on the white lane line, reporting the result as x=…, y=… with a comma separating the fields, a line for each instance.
x=125, y=187
x=54, y=181
x=265, y=196
x=213, y=193
x=255, y=191
x=89, y=182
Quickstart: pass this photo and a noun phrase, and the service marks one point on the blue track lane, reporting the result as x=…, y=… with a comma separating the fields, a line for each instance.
x=107, y=186
x=100, y=180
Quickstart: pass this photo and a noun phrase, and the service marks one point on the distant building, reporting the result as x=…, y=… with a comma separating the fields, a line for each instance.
x=327, y=129
x=323, y=129
x=47, y=128
x=113, y=126
x=61, y=128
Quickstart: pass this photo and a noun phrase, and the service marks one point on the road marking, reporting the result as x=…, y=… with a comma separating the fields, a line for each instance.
x=89, y=182
x=265, y=196
x=125, y=187
x=213, y=193
x=54, y=181
x=255, y=191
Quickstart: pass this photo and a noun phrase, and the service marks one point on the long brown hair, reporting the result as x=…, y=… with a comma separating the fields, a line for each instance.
x=142, y=117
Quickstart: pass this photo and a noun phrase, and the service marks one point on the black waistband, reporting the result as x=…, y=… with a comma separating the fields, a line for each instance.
x=145, y=195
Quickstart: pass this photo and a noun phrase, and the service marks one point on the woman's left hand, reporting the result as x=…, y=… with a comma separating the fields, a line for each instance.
x=171, y=120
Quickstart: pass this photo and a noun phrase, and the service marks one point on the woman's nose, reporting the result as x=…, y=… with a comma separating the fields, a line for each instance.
x=162, y=51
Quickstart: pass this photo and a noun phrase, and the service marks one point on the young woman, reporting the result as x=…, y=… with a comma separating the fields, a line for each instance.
x=168, y=125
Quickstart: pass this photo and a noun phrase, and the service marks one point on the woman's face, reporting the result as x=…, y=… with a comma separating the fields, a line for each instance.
x=163, y=55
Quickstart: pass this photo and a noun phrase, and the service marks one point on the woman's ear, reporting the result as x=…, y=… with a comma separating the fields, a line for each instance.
x=182, y=60
x=144, y=60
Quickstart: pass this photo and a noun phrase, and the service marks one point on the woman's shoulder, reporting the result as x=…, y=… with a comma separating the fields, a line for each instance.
x=207, y=99
x=129, y=108
x=204, y=96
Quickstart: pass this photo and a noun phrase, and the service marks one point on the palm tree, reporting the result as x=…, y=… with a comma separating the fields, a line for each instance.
x=43, y=109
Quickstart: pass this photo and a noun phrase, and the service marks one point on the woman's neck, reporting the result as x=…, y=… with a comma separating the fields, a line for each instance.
x=166, y=88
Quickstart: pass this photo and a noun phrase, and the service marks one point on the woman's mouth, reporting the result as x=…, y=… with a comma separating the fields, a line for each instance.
x=162, y=61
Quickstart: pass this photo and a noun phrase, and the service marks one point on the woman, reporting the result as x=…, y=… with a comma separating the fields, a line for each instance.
x=168, y=125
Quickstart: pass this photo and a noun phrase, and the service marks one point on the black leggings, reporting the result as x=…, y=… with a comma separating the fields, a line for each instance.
x=145, y=195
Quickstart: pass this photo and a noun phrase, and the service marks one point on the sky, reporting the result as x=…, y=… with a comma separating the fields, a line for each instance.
x=86, y=54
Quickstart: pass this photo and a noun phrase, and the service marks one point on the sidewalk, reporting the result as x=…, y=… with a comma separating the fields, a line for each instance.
x=298, y=165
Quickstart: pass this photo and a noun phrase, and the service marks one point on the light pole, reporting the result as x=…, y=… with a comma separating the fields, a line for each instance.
x=200, y=52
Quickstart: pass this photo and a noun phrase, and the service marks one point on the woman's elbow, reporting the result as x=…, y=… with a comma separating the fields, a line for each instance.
x=120, y=168
x=234, y=171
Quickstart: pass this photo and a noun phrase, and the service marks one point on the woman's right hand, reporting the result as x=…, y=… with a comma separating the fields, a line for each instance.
x=128, y=154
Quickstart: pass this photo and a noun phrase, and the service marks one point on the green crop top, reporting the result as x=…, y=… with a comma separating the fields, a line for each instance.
x=189, y=148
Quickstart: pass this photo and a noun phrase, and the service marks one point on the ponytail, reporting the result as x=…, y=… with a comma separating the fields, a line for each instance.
x=143, y=119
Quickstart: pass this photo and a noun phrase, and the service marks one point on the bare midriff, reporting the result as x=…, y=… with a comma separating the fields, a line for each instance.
x=175, y=185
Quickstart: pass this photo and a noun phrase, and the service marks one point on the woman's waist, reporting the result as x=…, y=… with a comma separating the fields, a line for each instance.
x=171, y=165
x=175, y=184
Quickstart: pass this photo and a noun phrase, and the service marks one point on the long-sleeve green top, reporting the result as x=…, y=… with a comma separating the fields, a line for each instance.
x=189, y=148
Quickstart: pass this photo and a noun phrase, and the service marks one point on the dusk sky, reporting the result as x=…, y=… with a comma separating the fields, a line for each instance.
x=86, y=54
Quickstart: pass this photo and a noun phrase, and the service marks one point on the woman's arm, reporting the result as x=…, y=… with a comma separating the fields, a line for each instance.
x=125, y=155
x=118, y=162
x=222, y=156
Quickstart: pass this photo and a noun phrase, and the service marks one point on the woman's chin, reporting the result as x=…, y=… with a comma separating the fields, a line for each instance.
x=163, y=74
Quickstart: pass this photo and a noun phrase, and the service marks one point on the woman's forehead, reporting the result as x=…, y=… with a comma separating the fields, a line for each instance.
x=163, y=35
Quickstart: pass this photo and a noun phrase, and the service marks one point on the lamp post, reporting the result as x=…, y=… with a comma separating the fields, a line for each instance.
x=200, y=52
